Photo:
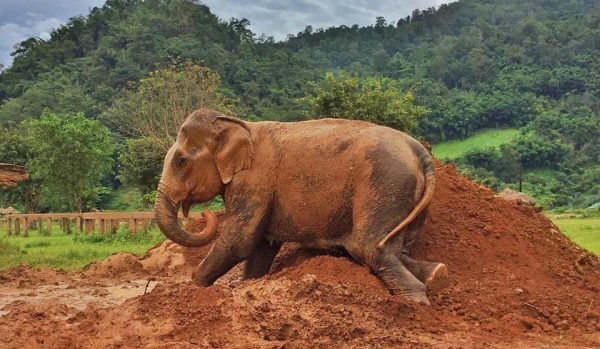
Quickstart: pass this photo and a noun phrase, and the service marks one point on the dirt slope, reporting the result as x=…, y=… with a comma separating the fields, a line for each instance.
x=516, y=281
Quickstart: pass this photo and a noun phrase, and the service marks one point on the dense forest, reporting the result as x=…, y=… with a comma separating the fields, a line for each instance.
x=470, y=65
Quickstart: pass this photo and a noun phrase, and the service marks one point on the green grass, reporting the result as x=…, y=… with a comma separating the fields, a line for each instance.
x=584, y=231
x=483, y=139
x=62, y=251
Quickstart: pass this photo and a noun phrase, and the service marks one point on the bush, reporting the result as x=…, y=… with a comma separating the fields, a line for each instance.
x=482, y=176
x=370, y=99
x=122, y=235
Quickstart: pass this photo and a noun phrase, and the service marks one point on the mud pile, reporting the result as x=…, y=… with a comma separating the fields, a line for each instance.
x=516, y=281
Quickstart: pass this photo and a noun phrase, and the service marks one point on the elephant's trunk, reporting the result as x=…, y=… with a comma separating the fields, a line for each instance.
x=166, y=218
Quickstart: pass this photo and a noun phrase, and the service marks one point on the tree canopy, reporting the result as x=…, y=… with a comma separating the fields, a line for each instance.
x=70, y=155
x=156, y=106
x=471, y=65
x=370, y=99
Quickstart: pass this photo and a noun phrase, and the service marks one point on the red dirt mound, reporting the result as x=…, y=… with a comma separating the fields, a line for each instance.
x=516, y=282
x=25, y=275
x=512, y=270
x=118, y=265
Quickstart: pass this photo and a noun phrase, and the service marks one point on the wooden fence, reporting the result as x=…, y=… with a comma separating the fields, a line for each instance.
x=101, y=222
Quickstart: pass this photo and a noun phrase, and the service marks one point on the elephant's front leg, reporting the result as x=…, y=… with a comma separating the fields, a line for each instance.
x=259, y=263
x=236, y=242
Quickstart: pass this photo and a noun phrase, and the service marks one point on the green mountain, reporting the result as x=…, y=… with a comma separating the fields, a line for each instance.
x=475, y=64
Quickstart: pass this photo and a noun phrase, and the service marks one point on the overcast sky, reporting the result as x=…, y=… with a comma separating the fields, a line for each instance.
x=21, y=19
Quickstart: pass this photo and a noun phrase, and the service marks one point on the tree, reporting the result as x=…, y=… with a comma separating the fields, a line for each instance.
x=70, y=154
x=141, y=165
x=159, y=104
x=371, y=99
x=55, y=91
x=26, y=195
x=500, y=63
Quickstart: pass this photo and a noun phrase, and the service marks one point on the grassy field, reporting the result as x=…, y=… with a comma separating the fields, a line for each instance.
x=585, y=232
x=483, y=139
x=62, y=251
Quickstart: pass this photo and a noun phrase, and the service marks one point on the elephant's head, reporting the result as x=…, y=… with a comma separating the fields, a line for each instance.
x=210, y=149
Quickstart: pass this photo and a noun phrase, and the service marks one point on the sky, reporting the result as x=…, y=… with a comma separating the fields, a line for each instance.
x=21, y=19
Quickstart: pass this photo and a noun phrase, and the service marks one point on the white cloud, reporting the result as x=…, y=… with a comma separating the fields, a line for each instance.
x=22, y=19
x=279, y=18
x=11, y=34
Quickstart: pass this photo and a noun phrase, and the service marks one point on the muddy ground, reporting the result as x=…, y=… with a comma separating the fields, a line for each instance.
x=516, y=282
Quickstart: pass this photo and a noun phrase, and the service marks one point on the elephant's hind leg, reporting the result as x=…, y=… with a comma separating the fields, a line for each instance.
x=389, y=268
x=398, y=278
x=433, y=275
x=378, y=208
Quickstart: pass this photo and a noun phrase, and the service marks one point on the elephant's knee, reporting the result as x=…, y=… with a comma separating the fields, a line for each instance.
x=200, y=279
x=202, y=282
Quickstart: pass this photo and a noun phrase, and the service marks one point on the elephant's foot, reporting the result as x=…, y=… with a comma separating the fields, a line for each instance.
x=201, y=279
x=400, y=280
x=437, y=280
x=418, y=297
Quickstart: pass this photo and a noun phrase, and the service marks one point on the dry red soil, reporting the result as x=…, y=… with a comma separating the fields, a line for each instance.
x=516, y=282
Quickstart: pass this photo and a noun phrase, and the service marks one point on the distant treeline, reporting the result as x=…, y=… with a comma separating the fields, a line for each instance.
x=472, y=64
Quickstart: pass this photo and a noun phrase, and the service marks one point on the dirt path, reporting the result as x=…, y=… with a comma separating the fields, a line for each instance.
x=516, y=282
x=73, y=296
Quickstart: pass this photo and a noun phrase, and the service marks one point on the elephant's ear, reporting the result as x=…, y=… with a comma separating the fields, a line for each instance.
x=234, y=151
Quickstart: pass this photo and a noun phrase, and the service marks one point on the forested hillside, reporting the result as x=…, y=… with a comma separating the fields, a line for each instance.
x=473, y=64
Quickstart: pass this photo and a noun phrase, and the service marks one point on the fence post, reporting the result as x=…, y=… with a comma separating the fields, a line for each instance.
x=101, y=222
x=88, y=224
x=131, y=225
x=102, y=225
x=70, y=222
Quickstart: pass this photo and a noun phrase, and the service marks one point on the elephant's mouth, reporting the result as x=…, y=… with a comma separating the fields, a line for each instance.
x=187, y=203
x=166, y=219
x=185, y=206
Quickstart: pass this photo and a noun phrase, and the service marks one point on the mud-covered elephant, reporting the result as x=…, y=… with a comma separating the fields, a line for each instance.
x=325, y=183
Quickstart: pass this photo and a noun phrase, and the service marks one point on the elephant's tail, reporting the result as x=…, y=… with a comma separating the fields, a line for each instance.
x=428, y=167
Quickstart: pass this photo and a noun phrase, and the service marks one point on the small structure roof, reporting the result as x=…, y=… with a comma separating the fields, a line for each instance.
x=10, y=175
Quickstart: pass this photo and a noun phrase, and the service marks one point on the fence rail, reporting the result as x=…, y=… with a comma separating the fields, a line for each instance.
x=101, y=222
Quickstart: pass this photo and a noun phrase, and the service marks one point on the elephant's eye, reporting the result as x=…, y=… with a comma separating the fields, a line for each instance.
x=180, y=161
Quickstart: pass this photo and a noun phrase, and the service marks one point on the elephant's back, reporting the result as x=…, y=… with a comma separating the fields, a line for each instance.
x=322, y=166
x=341, y=140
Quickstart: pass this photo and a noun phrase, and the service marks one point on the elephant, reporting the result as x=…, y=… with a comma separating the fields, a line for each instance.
x=327, y=183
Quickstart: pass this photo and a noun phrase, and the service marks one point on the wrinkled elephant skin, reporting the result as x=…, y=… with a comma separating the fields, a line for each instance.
x=332, y=184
